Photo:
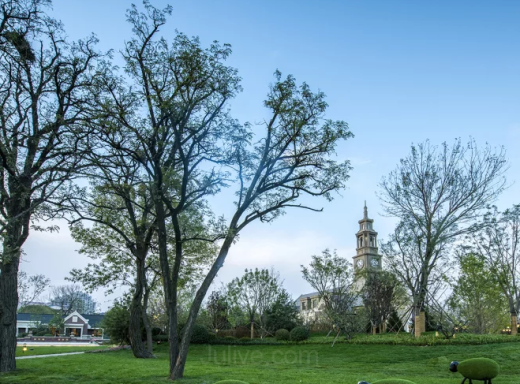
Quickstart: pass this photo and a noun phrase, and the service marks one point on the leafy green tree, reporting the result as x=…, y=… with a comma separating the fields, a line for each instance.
x=116, y=323
x=437, y=193
x=332, y=277
x=170, y=114
x=282, y=314
x=46, y=86
x=478, y=297
x=378, y=295
x=255, y=293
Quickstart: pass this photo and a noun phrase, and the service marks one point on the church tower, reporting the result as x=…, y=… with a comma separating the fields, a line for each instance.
x=366, y=237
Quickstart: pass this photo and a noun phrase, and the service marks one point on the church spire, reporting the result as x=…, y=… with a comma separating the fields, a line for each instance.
x=365, y=211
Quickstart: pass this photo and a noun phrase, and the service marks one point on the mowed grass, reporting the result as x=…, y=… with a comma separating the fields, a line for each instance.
x=52, y=349
x=264, y=364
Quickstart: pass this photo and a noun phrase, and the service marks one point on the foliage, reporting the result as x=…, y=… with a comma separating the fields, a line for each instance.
x=299, y=334
x=478, y=297
x=116, y=323
x=332, y=277
x=436, y=193
x=282, y=314
x=200, y=335
x=37, y=309
x=282, y=335
x=255, y=293
x=70, y=298
x=378, y=295
x=394, y=323
x=498, y=241
x=217, y=308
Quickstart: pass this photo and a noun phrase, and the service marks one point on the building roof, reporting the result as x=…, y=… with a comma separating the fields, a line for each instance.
x=33, y=317
x=94, y=320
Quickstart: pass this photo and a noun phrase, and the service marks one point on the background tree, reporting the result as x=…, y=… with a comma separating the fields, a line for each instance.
x=255, y=292
x=437, y=193
x=498, y=241
x=478, y=297
x=332, y=277
x=217, y=308
x=282, y=314
x=30, y=288
x=70, y=298
x=116, y=323
x=46, y=84
x=378, y=295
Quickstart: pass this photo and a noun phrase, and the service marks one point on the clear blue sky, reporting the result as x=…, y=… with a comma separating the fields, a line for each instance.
x=397, y=71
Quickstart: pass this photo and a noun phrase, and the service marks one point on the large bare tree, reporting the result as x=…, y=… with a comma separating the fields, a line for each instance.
x=46, y=84
x=438, y=192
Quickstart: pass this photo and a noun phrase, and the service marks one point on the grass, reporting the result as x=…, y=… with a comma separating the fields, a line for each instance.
x=270, y=364
x=52, y=349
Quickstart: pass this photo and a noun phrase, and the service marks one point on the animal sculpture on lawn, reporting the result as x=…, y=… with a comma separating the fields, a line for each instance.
x=476, y=369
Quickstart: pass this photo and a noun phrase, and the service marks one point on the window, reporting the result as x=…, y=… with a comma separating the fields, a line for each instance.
x=303, y=306
x=74, y=319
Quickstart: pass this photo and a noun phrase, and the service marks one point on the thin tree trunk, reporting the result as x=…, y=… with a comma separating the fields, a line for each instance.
x=146, y=321
x=136, y=313
x=514, y=329
x=178, y=371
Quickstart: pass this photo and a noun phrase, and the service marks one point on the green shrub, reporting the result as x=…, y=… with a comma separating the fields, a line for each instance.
x=479, y=368
x=22, y=334
x=229, y=338
x=393, y=381
x=200, y=335
x=245, y=338
x=299, y=334
x=282, y=335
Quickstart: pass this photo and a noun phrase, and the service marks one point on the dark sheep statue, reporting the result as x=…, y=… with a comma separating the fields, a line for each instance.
x=476, y=369
x=389, y=381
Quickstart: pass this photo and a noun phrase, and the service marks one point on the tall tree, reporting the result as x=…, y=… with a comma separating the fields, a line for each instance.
x=498, y=241
x=70, y=298
x=46, y=85
x=176, y=120
x=438, y=193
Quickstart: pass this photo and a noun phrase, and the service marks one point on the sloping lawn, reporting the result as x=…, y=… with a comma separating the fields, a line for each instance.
x=263, y=364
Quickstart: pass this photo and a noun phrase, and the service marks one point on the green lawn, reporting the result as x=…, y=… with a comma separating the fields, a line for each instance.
x=264, y=364
x=36, y=350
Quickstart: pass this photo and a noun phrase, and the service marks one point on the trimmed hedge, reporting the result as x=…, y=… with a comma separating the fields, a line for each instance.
x=479, y=368
x=282, y=335
x=299, y=334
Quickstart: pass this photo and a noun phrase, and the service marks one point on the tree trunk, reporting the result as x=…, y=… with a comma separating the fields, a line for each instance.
x=374, y=330
x=180, y=363
x=514, y=329
x=146, y=321
x=15, y=235
x=252, y=330
x=136, y=312
x=8, y=308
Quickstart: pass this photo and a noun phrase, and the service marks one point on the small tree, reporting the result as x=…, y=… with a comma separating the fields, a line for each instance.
x=378, y=294
x=477, y=295
x=217, y=308
x=332, y=277
x=255, y=292
x=116, y=323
